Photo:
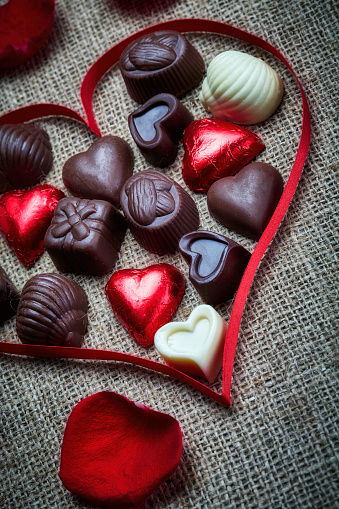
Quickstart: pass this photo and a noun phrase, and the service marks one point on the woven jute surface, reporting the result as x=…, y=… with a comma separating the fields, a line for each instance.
x=276, y=446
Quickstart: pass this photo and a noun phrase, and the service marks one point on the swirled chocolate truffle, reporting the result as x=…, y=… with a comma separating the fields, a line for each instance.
x=159, y=211
x=25, y=156
x=52, y=311
x=163, y=61
x=9, y=297
x=85, y=236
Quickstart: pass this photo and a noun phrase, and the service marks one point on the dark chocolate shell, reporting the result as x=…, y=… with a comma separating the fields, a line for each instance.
x=9, y=297
x=25, y=156
x=52, y=311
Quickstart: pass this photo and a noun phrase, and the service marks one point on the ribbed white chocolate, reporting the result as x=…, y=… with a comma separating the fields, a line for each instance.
x=241, y=88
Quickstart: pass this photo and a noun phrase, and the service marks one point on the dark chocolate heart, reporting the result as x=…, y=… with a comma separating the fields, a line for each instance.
x=157, y=126
x=217, y=264
x=101, y=171
x=245, y=202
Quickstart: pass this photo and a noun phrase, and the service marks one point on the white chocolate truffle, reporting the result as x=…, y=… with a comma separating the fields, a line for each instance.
x=241, y=88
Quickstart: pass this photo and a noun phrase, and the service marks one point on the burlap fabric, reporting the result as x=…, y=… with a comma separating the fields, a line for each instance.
x=276, y=446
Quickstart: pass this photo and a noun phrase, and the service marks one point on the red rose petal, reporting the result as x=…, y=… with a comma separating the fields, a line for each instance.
x=24, y=27
x=116, y=452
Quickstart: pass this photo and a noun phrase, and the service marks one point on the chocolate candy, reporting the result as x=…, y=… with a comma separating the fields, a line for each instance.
x=52, y=311
x=245, y=203
x=217, y=264
x=9, y=297
x=157, y=126
x=85, y=236
x=158, y=210
x=195, y=346
x=160, y=62
x=25, y=156
x=101, y=171
x=241, y=88
x=215, y=149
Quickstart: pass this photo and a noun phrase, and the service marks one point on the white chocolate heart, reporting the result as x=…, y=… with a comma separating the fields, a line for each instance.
x=241, y=88
x=194, y=347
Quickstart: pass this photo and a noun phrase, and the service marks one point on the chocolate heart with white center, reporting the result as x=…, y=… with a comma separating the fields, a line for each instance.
x=194, y=347
x=101, y=171
x=245, y=203
x=217, y=264
x=157, y=126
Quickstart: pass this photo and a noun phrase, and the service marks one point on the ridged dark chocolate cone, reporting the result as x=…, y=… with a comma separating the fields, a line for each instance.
x=159, y=211
x=163, y=61
x=25, y=156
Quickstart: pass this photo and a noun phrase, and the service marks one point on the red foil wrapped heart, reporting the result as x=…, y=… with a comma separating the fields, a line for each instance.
x=116, y=453
x=144, y=300
x=214, y=149
x=24, y=219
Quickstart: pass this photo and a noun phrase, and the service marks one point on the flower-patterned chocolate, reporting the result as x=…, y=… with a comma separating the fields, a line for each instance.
x=159, y=211
x=85, y=236
x=162, y=61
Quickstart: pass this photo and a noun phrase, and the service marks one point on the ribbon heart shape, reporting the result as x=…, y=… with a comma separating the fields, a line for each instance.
x=90, y=81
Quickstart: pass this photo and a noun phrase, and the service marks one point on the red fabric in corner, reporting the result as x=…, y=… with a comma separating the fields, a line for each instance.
x=116, y=452
x=90, y=81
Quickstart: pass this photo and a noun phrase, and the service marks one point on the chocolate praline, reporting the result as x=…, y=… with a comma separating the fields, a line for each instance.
x=158, y=210
x=101, y=171
x=9, y=297
x=163, y=61
x=85, y=236
x=52, y=311
x=245, y=202
x=157, y=126
x=25, y=156
x=217, y=264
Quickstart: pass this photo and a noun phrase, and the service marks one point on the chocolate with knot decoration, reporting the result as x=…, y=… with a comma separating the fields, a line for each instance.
x=159, y=211
x=163, y=61
x=85, y=236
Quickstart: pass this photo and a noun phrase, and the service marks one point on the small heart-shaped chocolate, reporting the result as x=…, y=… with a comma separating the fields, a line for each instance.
x=215, y=149
x=24, y=219
x=101, y=171
x=157, y=126
x=217, y=264
x=245, y=203
x=194, y=347
x=145, y=299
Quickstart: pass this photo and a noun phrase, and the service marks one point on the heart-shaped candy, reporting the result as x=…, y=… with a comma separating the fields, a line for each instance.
x=245, y=203
x=24, y=219
x=101, y=171
x=217, y=264
x=145, y=299
x=195, y=346
x=157, y=126
x=215, y=149
x=115, y=453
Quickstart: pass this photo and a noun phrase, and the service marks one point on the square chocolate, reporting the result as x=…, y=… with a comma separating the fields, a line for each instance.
x=85, y=236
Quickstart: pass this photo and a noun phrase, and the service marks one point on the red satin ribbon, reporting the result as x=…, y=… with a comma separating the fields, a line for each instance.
x=91, y=79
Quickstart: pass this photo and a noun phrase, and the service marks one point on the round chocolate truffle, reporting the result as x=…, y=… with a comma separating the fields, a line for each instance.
x=162, y=61
x=159, y=211
x=52, y=311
